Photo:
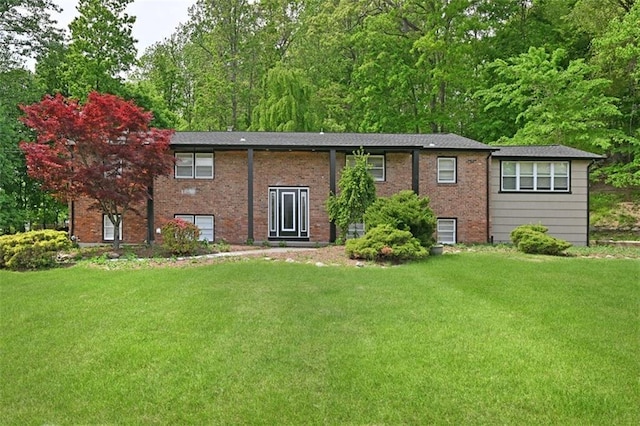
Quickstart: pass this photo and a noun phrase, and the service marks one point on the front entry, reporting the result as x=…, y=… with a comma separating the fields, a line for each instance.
x=289, y=212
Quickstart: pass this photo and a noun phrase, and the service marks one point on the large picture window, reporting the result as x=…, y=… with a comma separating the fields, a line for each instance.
x=542, y=176
x=376, y=166
x=197, y=165
x=205, y=224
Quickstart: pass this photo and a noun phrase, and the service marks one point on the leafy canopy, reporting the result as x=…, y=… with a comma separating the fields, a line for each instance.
x=103, y=150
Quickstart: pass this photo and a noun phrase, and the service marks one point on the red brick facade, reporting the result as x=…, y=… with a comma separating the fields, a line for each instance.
x=226, y=195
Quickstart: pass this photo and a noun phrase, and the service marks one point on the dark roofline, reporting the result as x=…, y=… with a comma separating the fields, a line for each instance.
x=323, y=141
x=547, y=152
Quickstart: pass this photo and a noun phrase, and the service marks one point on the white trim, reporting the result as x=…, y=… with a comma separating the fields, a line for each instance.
x=108, y=229
x=442, y=170
x=447, y=230
x=207, y=233
x=194, y=165
x=526, y=176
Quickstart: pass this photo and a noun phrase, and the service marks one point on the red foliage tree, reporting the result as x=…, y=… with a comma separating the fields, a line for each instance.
x=103, y=150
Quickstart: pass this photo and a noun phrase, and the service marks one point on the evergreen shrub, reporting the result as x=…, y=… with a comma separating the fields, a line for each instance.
x=405, y=211
x=384, y=242
x=33, y=249
x=533, y=239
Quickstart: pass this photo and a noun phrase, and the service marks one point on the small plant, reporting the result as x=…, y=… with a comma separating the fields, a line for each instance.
x=266, y=244
x=249, y=242
x=384, y=242
x=180, y=237
x=222, y=246
x=32, y=250
x=282, y=244
x=533, y=239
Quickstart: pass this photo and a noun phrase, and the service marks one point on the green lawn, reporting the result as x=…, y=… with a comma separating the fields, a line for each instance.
x=469, y=338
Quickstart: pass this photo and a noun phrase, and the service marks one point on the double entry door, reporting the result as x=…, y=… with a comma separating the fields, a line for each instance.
x=289, y=212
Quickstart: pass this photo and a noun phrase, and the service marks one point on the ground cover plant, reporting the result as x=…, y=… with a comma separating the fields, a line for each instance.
x=464, y=338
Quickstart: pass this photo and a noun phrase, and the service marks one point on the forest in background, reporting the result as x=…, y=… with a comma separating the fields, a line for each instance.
x=497, y=71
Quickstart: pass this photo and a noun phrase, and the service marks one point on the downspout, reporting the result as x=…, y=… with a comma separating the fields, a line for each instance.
x=250, y=194
x=488, y=191
x=332, y=190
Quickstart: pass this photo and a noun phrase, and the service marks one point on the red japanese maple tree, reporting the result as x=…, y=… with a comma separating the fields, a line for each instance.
x=103, y=149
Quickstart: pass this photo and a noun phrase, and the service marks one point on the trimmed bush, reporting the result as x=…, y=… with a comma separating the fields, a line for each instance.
x=404, y=211
x=180, y=237
x=533, y=239
x=518, y=233
x=32, y=250
x=384, y=242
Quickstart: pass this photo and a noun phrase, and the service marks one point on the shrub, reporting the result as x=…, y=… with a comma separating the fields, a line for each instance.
x=384, y=242
x=180, y=237
x=404, y=211
x=518, y=233
x=32, y=250
x=533, y=239
x=357, y=193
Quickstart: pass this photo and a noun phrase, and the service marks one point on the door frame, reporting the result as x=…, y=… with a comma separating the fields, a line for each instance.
x=293, y=200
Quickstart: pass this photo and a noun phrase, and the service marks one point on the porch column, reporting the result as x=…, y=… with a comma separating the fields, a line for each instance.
x=332, y=190
x=415, y=171
x=150, y=223
x=250, y=194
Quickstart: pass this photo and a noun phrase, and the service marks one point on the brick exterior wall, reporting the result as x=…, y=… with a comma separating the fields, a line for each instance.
x=225, y=196
x=88, y=224
x=465, y=200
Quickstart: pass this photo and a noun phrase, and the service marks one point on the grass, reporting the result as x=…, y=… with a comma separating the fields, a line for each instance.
x=467, y=338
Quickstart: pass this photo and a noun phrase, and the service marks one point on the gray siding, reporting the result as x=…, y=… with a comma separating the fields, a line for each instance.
x=565, y=214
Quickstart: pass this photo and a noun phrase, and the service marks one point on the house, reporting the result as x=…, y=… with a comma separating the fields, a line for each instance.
x=541, y=184
x=260, y=186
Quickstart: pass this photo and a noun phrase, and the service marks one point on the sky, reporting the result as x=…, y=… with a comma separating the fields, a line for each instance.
x=155, y=19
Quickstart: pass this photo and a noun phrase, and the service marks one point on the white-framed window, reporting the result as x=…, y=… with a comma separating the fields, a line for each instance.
x=542, y=176
x=447, y=170
x=108, y=229
x=376, y=166
x=197, y=165
x=446, y=231
x=205, y=224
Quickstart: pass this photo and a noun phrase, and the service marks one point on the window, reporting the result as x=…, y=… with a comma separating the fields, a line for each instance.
x=446, y=231
x=197, y=165
x=355, y=230
x=203, y=222
x=376, y=166
x=535, y=176
x=108, y=229
x=446, y=170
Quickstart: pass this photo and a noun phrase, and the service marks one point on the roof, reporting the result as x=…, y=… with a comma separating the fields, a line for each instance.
x=543, y=151
x=285, y=140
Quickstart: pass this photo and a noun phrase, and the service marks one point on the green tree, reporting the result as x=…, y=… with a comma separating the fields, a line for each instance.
x=22, y=200
x=286, y=105
x=26, y=30
x=617, y=54
x=558, y=104
x=101, y=47
x=357, y=192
